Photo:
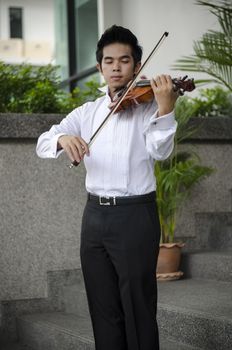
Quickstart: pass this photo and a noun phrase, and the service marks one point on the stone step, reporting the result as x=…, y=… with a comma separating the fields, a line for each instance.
x=201, y=309
x=55, y=331
x=196, y=312
x=14, y=346
x=62, y=331
x=75, y=300
x=214, y=265
x=196, y=307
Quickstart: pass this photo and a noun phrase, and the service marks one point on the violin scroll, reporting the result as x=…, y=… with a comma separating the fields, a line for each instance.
x=183, y=85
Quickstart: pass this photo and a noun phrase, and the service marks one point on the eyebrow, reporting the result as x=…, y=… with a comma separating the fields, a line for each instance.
x=121, y=57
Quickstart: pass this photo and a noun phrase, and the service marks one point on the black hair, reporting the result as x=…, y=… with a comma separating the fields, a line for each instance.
x=118, y=34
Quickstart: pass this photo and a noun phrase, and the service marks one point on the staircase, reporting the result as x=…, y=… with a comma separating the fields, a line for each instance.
x=194, y=312
x=70, y=329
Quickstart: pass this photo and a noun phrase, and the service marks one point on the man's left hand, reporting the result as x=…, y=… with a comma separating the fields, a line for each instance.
x=164, y=93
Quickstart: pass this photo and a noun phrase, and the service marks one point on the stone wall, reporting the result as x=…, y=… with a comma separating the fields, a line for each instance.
x=213, y=143
x=41, y=201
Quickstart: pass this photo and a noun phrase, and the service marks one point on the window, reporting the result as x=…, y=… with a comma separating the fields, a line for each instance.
x=76, y=39
x=86, y=36
x=86, y=33
x=61, y=33
x=16, y=25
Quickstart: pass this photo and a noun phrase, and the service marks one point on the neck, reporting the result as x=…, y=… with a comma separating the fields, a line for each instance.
x=114, y=91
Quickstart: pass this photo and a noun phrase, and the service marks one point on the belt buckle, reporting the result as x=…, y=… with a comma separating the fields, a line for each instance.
x=107, y=202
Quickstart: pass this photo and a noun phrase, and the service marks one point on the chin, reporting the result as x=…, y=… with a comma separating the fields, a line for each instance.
x=118, y=85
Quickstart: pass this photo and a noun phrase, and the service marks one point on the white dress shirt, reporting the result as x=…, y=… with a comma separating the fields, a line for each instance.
x=121, y=160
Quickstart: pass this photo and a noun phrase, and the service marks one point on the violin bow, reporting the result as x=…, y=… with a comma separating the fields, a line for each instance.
x=125, y=92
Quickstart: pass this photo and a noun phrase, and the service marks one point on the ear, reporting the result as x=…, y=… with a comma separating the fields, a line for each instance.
x=137, y=67
x=99, y=67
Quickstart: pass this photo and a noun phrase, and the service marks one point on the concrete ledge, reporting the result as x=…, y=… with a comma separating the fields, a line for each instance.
x=14, y=125
x=212, y=129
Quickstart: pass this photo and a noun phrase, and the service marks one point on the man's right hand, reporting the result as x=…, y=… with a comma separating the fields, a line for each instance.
x=75, y=147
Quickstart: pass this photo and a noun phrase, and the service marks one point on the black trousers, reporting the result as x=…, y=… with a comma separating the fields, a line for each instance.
x=119, y=249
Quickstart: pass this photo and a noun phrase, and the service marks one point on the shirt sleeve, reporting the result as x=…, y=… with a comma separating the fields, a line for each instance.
x=47, y=142
x=159, y=135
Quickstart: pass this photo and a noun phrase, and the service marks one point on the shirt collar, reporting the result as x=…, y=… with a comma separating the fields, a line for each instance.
x=105, y=89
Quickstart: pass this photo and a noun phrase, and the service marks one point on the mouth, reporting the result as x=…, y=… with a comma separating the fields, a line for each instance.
x=116, y=77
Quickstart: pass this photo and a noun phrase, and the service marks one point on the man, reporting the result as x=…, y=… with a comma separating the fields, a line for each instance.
x=120, y=227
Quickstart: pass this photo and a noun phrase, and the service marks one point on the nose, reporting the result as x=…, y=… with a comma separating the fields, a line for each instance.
x=116, y=67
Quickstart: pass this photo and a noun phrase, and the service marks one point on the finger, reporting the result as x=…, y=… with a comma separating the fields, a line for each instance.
x=70, y=154
x=153, y=83
x=169, y=81
x=84, y=145
x=79, y=148
x=158, y=81
x=76, y=152
x=163, y=79
x=168, y=78
x=153, y=86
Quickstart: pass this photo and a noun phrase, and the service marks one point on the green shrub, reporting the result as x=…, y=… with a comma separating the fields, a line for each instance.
x=80, y=96
x=28, y=89
x=210, y=102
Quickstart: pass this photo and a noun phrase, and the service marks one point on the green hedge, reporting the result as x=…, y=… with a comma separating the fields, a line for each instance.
x=28, y=89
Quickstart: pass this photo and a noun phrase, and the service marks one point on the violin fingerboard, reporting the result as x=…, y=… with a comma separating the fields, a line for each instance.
x=143, y=82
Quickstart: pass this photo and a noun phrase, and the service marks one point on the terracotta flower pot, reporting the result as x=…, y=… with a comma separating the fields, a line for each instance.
x=169, y=261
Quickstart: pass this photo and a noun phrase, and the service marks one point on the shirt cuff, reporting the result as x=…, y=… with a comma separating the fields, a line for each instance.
x=164, y=122
x=54, y=141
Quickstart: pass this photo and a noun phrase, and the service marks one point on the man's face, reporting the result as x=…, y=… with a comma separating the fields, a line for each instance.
x=117, y=66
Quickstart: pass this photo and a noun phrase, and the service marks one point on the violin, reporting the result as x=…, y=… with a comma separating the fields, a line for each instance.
x=142, y=92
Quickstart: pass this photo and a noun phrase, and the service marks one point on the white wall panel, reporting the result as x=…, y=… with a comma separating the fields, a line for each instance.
x=183, y=19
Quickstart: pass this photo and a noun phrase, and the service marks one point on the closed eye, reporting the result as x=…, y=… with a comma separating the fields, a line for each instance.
x=108, y=61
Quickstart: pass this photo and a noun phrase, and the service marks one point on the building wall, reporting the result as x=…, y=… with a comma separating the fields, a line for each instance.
x=38, y=28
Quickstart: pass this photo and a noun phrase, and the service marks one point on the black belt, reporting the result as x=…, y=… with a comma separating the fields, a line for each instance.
x=144, y=198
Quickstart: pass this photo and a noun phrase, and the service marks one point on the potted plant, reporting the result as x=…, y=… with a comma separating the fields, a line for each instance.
x=175, y=178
